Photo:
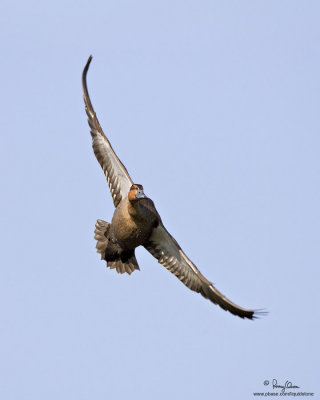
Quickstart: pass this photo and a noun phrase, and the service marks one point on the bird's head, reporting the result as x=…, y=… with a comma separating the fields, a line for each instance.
x=136, y=192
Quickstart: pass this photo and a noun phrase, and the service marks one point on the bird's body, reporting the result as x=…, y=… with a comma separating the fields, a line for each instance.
x=136, y=222
x=133, y=223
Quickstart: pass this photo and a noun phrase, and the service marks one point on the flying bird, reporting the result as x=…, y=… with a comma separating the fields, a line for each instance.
x=136, y=222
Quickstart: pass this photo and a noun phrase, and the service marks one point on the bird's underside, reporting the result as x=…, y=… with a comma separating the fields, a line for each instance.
x=116, y=258
x=118, y=253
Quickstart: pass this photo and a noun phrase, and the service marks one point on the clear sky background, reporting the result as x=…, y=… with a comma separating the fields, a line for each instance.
x=214, y=107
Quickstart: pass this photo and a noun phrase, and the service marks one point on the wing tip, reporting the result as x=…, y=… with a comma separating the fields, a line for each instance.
x=256, y=314
x=86, y=96
x=84, y=74
x=88, y=63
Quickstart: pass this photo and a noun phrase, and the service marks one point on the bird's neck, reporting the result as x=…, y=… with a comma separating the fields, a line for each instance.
x=134, y=209
x=137, y=211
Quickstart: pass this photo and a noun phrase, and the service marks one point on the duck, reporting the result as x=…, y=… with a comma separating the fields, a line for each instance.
x=136, y=222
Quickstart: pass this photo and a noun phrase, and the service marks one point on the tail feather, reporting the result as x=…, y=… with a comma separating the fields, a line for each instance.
x=100, y=234
x=121, y=267
x=121, y=262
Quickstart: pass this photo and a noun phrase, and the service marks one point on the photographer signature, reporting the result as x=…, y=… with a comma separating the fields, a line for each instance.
x=287, y=385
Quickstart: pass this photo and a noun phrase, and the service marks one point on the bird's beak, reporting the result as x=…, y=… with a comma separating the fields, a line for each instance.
x=140, y=194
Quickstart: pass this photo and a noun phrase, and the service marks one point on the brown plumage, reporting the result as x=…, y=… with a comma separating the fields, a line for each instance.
x=136, y=222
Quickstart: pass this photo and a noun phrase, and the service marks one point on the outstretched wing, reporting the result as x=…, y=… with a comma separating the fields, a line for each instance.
x=118, y=178
x=168, y=253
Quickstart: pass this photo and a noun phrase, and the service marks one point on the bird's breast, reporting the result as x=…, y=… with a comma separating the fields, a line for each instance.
x=130, y=229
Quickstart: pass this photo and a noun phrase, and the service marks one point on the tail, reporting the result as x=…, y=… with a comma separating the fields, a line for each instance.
x=100, y=234
x=121, y=261
x=124, y=266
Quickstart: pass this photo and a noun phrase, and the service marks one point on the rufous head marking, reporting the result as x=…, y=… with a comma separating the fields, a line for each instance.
x=136, y=192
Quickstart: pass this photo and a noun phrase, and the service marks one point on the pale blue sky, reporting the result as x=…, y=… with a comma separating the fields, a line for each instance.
x=214, y=107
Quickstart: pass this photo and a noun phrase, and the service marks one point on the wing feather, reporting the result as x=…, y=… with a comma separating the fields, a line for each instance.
x=168, y=253
x=117, y=176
